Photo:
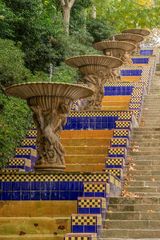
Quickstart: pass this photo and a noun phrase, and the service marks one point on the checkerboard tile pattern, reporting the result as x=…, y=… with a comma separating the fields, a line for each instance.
x=86, y=223
x=81, y=236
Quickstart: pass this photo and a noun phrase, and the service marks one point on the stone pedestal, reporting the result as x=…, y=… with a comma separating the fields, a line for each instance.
x=119, y=49
x=95, y=70
x=50, y=104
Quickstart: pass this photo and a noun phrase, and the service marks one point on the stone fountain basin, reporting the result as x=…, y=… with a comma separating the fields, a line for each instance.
x=143, y=32
x=115, y=45
x=50, y=91
x=134, y=38
x=90, y=64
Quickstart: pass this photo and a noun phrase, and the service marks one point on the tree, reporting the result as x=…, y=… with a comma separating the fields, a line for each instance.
x=125, y=14
x=14, y=113
x=30, y=24
x=67, y=6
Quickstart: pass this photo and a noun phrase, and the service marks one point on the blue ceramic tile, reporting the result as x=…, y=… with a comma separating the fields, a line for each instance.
x=7, y=186
x=99, y=125
x=55, y=195
x=45, y=195
x=16, y=186
x=75, y=195
x=45, y=186
x=88, y=194
x=83, y=210
x=90, y=229
x=104, y=125
x=92, y=125
x=6, y=196
x=27, y=169
x=54, y=186
x=64, y=195
x=35, y=185
x=78, y=229
x=25, y=196
x=35, y=195
x=25, y=186
x=100, y=194
x=79, y=125
x=114, y=166
x=95, y=210
x=16, y=196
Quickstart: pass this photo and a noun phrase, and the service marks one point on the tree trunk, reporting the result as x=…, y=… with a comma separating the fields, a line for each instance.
x=66, y=18
x=94, y=12
x=67, y=6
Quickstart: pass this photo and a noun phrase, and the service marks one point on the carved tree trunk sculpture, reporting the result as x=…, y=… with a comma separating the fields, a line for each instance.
x=96, y=83
x=126, y=58
x=49, y=123
x=67, y=6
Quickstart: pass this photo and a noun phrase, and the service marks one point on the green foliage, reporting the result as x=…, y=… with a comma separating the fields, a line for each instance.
x=14, y=113
x=99, y=29
x=12, y=68
x=15, y=118
x=66, y=74
x=123, y=14
x=79, y=14
x=35, y=29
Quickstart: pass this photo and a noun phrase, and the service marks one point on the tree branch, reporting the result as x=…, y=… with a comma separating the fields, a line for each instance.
x=71, y=2
x=67, y=3
x=62, y=3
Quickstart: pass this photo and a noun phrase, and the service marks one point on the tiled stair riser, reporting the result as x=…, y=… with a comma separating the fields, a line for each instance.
x=52, y=187
x=91, y=205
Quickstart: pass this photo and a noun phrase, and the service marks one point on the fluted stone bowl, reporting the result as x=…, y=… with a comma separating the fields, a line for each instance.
x=129, y=37
x=118, y=48
x=143, y=32
x=48, y=95
x=90, y=64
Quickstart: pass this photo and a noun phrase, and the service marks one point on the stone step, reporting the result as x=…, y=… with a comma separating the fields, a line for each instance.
x=146, y=157
x=146, y=133
x=139, y=137
x=150, y=149
x=85, y=167
x=146, y=163
x=34, y=225
x=146, y=189
x=130, y=233
x=149, y=112
x=145, y=172
x=144, y=129
x=86, y=142
x=83, y=159
x=130, y=215
x=144, y=183
x=85, y=150
x=146, y=177
x=24, y=236
x=134, y=207
x=144, y=153
x=132, y=224
x=131, y=201
x=146, y=167
x=149, y=124
x=145, y=143
x=37, y=208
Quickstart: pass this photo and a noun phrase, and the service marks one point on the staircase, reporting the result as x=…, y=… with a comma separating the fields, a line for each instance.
x=137, y=215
